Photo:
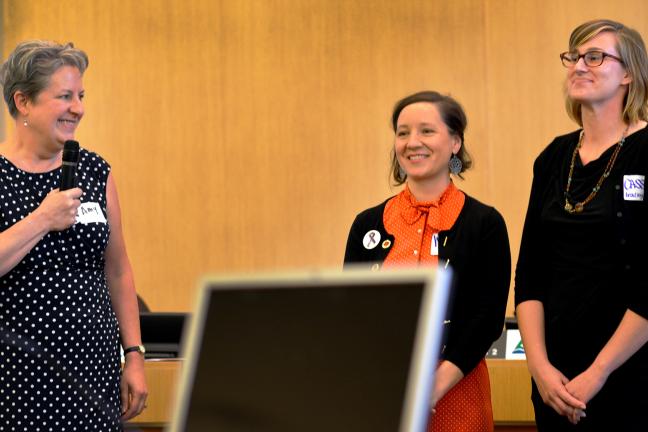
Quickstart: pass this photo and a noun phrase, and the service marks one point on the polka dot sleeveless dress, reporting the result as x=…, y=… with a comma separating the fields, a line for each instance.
x=59, y=340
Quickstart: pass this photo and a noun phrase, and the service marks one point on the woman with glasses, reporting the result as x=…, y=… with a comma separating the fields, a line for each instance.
x=580, y=287
x=431, y=222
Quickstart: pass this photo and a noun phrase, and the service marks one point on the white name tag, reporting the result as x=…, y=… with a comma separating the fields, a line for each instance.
x=90, y=212
x=633, y=187
x=434, y=245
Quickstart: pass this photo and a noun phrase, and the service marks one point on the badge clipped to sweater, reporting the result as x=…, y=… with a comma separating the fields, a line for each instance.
x=434, y=245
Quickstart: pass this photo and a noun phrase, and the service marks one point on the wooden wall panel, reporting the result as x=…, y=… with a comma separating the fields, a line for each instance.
x=245, y=135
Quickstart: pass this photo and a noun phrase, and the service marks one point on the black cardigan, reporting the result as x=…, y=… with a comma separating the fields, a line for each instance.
x=630, y=230
x=478, y=249
x=580, y=318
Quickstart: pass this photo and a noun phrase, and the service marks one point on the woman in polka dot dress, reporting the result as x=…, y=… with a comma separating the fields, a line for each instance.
x=430, y=223
x=66, y=285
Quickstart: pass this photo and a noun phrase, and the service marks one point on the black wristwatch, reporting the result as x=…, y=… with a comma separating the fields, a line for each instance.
x=139, y=348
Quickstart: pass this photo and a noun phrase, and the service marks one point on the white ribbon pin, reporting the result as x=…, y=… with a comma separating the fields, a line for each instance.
x=371, y=239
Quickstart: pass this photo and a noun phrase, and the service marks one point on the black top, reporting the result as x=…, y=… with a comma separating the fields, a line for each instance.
x=586, y=268
x=478, y=248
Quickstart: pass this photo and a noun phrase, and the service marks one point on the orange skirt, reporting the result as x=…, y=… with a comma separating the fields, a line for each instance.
x=467, y=406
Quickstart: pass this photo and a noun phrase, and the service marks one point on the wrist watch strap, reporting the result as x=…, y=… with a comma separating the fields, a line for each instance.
x=136, y=348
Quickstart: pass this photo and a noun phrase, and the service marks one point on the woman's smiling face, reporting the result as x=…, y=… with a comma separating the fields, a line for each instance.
x=423, y=142
x=56, y=111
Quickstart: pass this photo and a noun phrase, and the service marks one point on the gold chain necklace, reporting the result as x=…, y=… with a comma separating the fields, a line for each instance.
x=578, y=207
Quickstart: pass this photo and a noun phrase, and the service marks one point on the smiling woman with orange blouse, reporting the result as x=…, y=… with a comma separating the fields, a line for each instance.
x=431, y=222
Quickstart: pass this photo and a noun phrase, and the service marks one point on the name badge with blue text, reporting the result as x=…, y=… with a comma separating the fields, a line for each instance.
x=633, y=187
x=434, y=245
x=90, y=212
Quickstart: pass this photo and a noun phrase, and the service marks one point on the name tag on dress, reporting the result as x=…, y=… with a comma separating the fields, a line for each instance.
x=633, y=187
x=90, y=212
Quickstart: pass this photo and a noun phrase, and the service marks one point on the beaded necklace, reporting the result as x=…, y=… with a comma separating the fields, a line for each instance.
x=578, y=207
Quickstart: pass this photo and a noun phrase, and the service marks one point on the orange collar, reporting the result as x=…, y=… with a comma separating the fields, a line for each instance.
x=441, y=213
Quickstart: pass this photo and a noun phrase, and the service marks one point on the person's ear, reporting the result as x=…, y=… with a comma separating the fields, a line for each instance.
x=456, y=144
x=22, y=102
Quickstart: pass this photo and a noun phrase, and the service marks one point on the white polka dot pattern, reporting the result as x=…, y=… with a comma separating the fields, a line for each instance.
x=59, y=340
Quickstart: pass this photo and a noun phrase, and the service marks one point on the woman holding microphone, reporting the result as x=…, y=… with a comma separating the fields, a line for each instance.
x=67, y=296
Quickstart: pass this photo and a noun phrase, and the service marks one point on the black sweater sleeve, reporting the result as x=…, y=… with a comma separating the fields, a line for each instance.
x=529, y=277
x=527, y=286
x=482, y=292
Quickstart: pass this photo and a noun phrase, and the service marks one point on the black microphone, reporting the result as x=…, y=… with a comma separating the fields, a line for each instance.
x=70, y=161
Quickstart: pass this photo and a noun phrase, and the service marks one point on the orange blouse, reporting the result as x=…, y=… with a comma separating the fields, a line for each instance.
x=416, y=225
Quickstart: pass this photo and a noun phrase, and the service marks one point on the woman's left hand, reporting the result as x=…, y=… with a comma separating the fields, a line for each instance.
x=133, y=386
x=447, y=375
x=584, y=387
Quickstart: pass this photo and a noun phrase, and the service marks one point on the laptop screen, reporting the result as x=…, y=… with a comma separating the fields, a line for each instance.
x=316, y=353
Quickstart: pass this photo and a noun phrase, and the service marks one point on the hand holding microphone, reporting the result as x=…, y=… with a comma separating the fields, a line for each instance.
x=60, y=205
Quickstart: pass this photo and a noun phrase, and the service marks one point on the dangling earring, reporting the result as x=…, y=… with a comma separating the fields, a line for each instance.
x=401, y=172
x=25, y=122
x=455, y=164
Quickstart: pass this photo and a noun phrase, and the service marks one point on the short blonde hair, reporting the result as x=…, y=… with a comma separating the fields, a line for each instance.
x=632, y=52
x=30, y=66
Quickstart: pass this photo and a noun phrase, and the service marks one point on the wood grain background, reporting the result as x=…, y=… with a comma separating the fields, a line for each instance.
x=245, y=135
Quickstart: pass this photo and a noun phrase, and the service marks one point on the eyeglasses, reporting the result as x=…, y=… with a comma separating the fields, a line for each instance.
x=592, y=58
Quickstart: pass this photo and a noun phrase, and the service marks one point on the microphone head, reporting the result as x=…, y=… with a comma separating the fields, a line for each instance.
x=71, y=151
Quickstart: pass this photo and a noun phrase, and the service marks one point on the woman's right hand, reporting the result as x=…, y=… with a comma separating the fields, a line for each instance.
x=550, y=381
x=59, y=208
x=551, y=385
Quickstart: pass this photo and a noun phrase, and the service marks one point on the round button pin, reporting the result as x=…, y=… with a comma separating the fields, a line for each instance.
x=371, y=239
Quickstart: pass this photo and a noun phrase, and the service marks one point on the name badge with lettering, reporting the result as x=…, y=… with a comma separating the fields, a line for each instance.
x=434, y=246
x=633, y=187
x=90, y=212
